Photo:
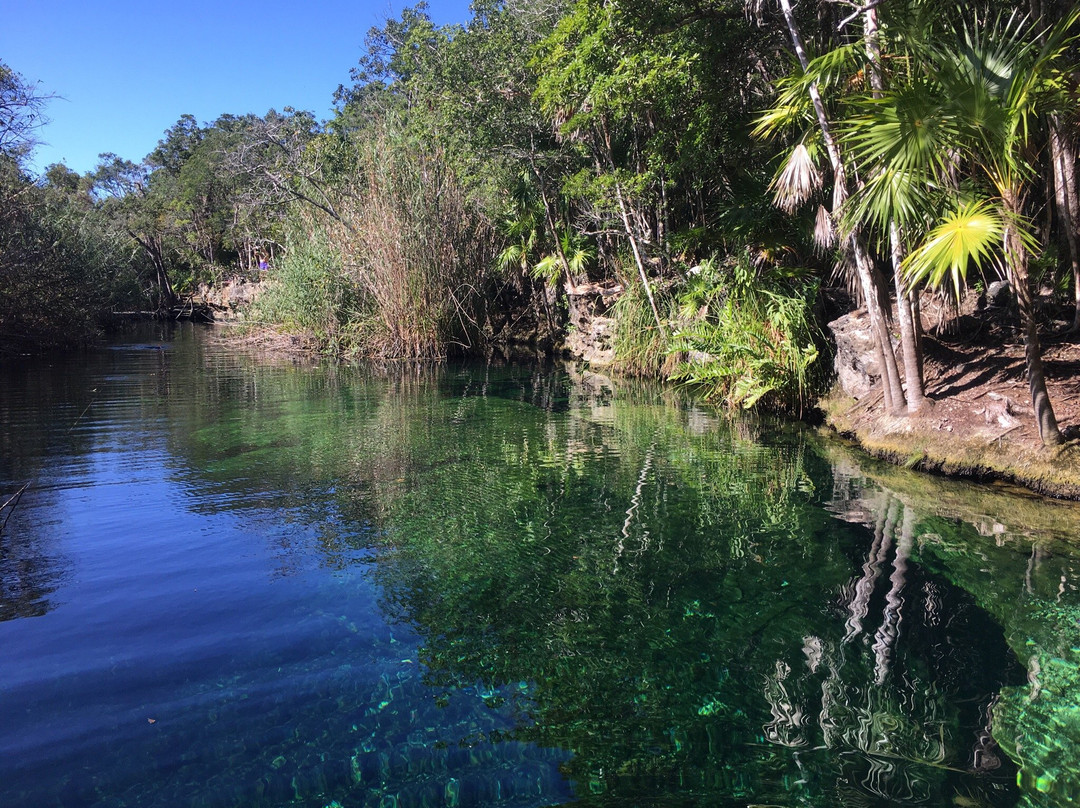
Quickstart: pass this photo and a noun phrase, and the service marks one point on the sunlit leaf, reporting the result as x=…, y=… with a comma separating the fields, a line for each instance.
x=970, y=235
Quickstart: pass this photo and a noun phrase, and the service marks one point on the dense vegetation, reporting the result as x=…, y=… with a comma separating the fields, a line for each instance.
x=478, y=177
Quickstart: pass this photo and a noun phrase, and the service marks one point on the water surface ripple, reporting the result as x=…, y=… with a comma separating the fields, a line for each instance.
x=260, y=582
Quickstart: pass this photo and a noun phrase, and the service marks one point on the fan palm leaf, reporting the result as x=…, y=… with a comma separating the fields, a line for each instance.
x=797, y=181
x=971, y=234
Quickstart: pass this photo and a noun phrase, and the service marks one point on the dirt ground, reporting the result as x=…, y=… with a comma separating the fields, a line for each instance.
x=981, y=423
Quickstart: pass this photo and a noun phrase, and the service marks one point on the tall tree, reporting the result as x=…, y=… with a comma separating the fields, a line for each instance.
x=127, y=199
x=22, y=113
x=977, y=107
x=656, y=98
x=799, y=178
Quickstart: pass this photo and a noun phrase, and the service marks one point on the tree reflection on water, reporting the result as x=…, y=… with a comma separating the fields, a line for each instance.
x=676, y=611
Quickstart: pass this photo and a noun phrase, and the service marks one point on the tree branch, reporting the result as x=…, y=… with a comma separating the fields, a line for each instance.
x=859, y=10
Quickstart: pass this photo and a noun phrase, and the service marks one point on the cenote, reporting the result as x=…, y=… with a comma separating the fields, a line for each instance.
x=248, y=581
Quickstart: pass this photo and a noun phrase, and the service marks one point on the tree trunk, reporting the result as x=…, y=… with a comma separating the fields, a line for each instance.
x=893, y=392
x=1063, y=157
x=1017, y=259
x=166, y=293
x=633, y=239
x=638, y=260
x=909, y=337
x=916, y=324
x=569, y=284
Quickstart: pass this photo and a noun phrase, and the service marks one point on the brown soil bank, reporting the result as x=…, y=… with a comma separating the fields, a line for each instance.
x=981, y=424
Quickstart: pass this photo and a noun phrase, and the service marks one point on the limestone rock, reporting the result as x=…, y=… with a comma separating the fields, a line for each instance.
x=229, y=298
x=591, y=331
x=857, y=370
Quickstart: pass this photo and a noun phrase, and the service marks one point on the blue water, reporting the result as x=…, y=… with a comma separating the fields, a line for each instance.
x=240, y=580
x=174, y=640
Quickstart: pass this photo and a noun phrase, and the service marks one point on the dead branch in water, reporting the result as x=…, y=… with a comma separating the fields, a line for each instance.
x=13, y=500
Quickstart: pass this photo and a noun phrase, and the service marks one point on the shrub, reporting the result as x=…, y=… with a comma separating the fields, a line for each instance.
x=58, y=269
x=308, y=290
x=749, y=336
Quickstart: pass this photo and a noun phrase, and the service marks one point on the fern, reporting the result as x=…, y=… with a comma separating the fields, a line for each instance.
x=752, y=340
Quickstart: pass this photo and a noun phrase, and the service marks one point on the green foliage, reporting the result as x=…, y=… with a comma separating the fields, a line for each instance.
x=656, y=98
x=308, y=290
x=573, y=256
x=640, y=348
x=522, y=228
x=949, y=150
x=60, y=271
x=969, y=235
x=468, y=88
x=210, y=200
x=532, y=249
x=392, y=261
x=62, y=268
x=750, y=337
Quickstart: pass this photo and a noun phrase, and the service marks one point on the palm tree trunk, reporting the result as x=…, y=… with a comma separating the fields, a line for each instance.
x=916, y=324
x=1017, y=259
x=892, y=390
x=909, y=336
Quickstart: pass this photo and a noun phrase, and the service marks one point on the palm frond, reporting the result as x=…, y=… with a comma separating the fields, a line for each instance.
x=578, y=252
x=970, y=234
x=907, y=128
x=824, y=229
x=513, y=257
x=993, y=55
x=797, y=180
x=791, y=110
x=889, y=195
x=782, y=117
x=548, y=268
x=835, y=66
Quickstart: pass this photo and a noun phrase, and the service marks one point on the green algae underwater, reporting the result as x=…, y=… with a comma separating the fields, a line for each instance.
x=245, y=580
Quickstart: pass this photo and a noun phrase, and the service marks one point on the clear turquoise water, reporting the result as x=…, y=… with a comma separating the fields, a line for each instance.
x=237, y=581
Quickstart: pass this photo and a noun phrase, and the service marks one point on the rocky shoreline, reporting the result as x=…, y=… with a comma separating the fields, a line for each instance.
x=978, y=424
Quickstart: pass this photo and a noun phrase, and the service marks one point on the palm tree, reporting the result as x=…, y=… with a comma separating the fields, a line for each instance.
x=799, y=179
x=972, y=112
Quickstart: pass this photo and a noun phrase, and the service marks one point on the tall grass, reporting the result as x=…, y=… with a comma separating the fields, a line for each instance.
x=308, y=291
x=640, y=348
x=395, y=265
x=415, y=249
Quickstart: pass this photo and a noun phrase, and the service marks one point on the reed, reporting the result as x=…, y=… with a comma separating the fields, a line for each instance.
x=394, y=261
x=415, y=249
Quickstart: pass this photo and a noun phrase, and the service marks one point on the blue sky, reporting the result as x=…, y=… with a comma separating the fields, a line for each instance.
x=125, y=71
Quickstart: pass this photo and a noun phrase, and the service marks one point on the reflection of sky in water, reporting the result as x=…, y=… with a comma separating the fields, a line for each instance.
x=212, y=649
x=271, y=585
